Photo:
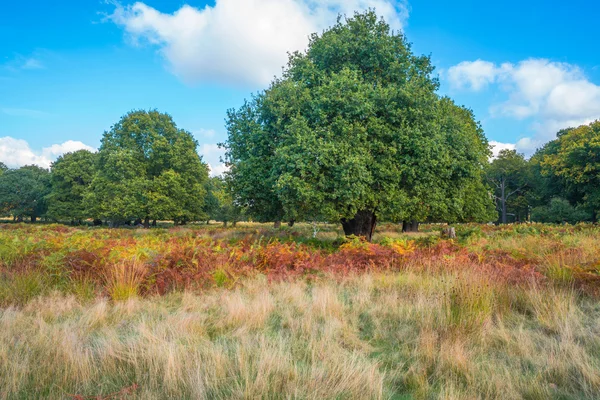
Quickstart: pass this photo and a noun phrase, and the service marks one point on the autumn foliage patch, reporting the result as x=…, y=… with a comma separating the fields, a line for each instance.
x=124, y=263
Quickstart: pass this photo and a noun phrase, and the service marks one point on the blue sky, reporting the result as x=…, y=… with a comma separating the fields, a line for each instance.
x=71, y=69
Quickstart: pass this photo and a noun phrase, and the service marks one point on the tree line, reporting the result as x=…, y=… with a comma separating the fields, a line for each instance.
x=146, y=170
x=560, y=183
x=354, y=132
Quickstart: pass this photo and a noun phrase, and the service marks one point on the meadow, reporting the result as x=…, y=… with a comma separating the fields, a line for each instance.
x=500, y=312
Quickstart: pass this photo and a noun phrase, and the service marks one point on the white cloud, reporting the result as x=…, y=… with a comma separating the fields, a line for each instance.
x=17, y=152
x=211, y=154
x=497, y=147
x=205, y=133
x=240, y=41
x=554, y=95
x=473, y=75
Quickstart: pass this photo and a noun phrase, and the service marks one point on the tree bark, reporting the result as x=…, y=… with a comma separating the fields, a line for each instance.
x=291, y=223
x=410, y=226
x=153, y=222
x=277, y=224
x=234, y=223
x=503, y=201
x=225, y=224
x=449, y=233
x=147, y=222
x=33, y=218
x=363, y=224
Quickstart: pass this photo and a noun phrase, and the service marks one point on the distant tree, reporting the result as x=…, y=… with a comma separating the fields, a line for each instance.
x=72, y=174
x=576, y=161
x=148, y=169
x=23, y=192
x=559, y=211
x=3, y=168
x=223, y=208
x=509, y=175
x=544, y=186
x=353, y=132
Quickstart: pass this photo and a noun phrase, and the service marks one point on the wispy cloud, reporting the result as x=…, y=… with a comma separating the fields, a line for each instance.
x=21, y=62
x=32, y=63
x=24, y=112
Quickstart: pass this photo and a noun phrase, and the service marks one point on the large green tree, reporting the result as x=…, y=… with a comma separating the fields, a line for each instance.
x=23, y=192
x=352, y=132
x=72, y=174
x=148, y=169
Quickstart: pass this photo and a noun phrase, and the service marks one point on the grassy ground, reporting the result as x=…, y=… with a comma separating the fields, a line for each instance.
x=502, y=313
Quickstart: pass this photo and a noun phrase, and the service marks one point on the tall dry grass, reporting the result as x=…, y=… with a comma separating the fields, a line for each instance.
x=454, y=335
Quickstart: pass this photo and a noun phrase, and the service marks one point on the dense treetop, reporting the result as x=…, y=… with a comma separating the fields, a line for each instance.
x=352, y=131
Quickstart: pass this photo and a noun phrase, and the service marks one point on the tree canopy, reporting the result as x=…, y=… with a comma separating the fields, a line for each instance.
x=354, y=131
x=72, y=174
x=23, y=192
x=148, y=169
x=575, y=160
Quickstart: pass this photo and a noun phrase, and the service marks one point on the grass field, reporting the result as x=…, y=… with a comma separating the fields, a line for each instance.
x=505, y=312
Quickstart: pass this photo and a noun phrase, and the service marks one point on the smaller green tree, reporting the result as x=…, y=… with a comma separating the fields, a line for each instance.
x=23, y=192
x=223, y=208
x=72, y=174
x=509, y=175
x=148, y=169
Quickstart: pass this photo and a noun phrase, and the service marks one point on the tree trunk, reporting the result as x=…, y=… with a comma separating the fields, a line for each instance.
x=410, y=226
x=234, y=223
x=363, y=224
x=20, y=218
x=153, y=222
x=277, y=224
x=147, y=222
x=449, y=233
x=503, y=216
x=225, y=224
x=291, y=223
x=33, y=218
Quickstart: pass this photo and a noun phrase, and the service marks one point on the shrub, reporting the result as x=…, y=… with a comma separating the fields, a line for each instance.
x=559, y=211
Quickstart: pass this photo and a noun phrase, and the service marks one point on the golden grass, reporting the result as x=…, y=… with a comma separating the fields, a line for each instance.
x=373, y=336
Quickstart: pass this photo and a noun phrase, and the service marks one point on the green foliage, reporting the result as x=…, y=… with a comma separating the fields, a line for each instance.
x=23, y=192
x=222, y=206
x=148, y=169
x=72, y=175
x=559, y=211
x=355, y=126
x=576, y=160
x=509, y=174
